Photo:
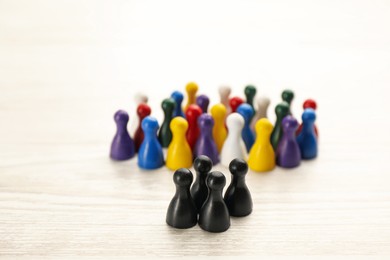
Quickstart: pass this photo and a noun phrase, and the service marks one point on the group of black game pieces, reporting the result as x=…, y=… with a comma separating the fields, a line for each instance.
x=205, y=198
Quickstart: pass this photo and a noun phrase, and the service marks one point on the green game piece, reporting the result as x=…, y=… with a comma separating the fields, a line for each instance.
x=250, y=92
x=288, y=96
x=281, y=110
x=165, y=134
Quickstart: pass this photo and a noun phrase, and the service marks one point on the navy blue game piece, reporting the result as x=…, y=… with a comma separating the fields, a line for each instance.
x=150, y=154
x=178, y=97
x=205, y=145
x=247, y=134
x=307, y=139
x=122, y=146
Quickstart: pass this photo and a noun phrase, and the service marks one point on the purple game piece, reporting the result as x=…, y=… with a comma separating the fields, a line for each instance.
x=122, y=146
x=203, y=102
x=288, y=154
x=206, y=144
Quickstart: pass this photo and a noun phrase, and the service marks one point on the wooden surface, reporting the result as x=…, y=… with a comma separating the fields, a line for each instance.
x=66, y=67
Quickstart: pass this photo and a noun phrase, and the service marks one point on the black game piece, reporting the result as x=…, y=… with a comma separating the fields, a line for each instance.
x=182, y=211
x=199, y=190
x=214, y=215
x=238, y=198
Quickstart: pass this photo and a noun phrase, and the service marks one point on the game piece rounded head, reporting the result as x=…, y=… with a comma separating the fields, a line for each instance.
x=140, y=98
x=177, y=96
x=203, y=102
x=183, y=177
x=149, y=124
x=309, y=115
x=287, y=95
x=235, y=102
x=193, y=112
x=235, y=121
x=246, y=111
x=121, y=117
x=179, y=125
x=224, y=91
x=282, y=110
x=310, y=103
x=192, y=88
x=250, y=92
x=289, y=124
x=263, y=126
x=143, y=110
x=238, y=167
x=203, y=164
x=218, y=111
x=168, y=105
x=205, y=121
x=263, y=101
x=216, y=180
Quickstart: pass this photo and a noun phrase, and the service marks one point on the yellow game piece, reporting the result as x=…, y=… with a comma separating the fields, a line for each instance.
x=262, y=155
x=179, y=153
x=218, y=112
x=191, y=90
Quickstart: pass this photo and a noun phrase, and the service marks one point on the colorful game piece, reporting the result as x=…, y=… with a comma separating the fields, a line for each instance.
x=309, y=103
x=191, y=90
x=143, y=111
x=261, y=112
x=288, y=154
x=307, y=139
x=192, y=114
x=262, y=155
x=233, y=147
x=150, y=154
x=234, y=103
x=288, y=96
x=182, y=212
x=179, y=154
x=165, y=134
x=203, y=102
x=199, y=191
x=237, y=197
x=140, y=98
x=214, y=215
x=281, y=110
x=177, y=96
x=224, y=93
x=205, y=144
x=250, y=92
x=218, y=112
x=247, y=134
x=122, y=146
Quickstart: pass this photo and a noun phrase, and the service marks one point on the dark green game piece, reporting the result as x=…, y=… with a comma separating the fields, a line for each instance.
x=288, y=96
x=281, y=110
x=165, y=134
x=250, y=92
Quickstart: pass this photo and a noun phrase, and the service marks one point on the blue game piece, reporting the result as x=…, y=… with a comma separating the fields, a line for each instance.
x=150, y=154
x=247, y=134
x=122, y=146
x=307, y=139
x=177, y=96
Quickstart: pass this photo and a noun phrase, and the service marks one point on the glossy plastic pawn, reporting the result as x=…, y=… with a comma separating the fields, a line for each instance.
x=199, y=191
x=250, y=93
x=178, y=97
x=192, y=114
x=143, y=110
x=237, y=197
x=122, y=146
x=218, y=112
x=214, y=215
x=288, y=96
x=182, y=212
x=150, y=154
x=261, y=111
x=309, y=103
x=234, y=103
x=203, y=102
x=191, y=89
x=247, y=134
x=224, y=94
x=281, y=111
x=307, y=139
x=288, y=154
x=165, y=134
x=205, y=144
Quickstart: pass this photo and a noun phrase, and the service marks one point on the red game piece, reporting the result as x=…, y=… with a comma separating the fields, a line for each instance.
x=192, y=113
x=235, y=102
x=143, y=110
x=309, y=103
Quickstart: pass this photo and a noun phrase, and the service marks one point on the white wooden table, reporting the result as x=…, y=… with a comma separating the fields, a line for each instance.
x=66, y=67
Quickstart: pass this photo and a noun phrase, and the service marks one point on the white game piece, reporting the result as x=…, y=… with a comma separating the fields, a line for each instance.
x=234, y=146
x=140, y=98
x=224, y=93
x=261, y=110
